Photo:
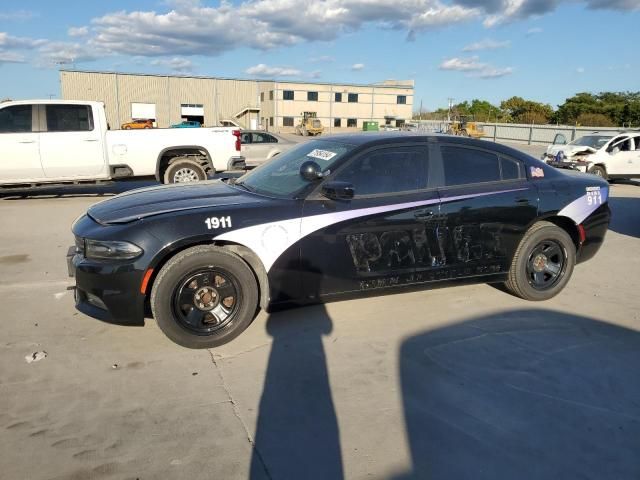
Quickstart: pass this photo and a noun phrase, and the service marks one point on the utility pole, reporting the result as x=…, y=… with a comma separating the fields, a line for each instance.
x=450, y=101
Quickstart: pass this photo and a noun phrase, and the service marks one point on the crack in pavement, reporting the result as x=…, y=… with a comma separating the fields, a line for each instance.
x=236, y=412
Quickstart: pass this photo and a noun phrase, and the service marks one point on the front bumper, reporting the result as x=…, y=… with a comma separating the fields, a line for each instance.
x=578, y=165
x=107, y=291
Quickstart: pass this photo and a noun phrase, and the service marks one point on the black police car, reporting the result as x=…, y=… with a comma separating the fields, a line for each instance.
x=344, y=215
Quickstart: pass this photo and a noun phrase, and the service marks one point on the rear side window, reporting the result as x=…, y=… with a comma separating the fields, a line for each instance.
x=15, y=119
x=69, y=118
x=390, y=170
x=465, y=165
x=511, y=169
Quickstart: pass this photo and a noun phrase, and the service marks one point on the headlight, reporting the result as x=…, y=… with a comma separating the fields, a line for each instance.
x=111, y=250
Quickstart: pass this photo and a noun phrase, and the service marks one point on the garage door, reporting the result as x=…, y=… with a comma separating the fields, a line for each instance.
x=192, y=110
x=143, y=111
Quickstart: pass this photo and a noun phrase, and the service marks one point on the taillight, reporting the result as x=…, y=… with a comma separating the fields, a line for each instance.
x=236, y=133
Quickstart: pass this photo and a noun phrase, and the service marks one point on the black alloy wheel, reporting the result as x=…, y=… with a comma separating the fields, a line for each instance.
x=204, y=297
x=543, y=262
x=546, y=265
x=206, y=301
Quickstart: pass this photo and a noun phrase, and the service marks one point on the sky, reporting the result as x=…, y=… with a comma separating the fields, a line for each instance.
x=542, y=50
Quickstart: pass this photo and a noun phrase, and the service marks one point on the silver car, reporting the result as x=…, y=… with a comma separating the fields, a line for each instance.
x=259, y=146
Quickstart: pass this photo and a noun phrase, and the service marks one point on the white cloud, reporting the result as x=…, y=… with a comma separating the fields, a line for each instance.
x=493, y=72
x=462, y=64
x=262, y=70
x=474, y=68
x=534, y=31
x=176, y=64
x=66, y=53
x=78, y=31
x=580, y=70
x=11, y=57
x=17, y=16
x=356, y=67
x=486, y=44
x=10, y=42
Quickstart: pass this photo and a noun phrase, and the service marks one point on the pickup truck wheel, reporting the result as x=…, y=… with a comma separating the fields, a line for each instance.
x=599, y=170
x=543, y=263
x=184, y=171
x=204, y=297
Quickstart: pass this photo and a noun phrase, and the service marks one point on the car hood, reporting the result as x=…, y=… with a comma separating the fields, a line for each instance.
x=569, y=150
x=146, y=202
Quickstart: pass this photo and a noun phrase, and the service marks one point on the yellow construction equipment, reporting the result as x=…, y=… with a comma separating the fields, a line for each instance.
x=309, y=125
x=465, y=127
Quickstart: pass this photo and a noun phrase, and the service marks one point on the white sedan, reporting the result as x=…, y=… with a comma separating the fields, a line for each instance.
x=258, y=146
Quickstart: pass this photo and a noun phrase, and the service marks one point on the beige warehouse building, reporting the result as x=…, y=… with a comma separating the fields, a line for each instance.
x=268, y=104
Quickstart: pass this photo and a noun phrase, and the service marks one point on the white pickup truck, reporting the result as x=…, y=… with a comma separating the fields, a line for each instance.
x=59, y=141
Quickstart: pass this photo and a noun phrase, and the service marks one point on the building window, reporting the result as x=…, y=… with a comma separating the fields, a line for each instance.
x=287, y=94
x=399, y=123
x=352, y=122
x=262, y=96
x=401, y=100
x=312, y=96
x=338, y=97
x=337, y=122
x=287, y=121
x=271, y=121
x=270, y=94
x=353, y=98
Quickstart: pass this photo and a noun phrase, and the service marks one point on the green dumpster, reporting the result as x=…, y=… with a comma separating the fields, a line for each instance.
x=370, y=126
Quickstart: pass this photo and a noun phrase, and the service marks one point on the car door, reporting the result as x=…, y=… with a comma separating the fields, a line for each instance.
x=635, y=160
x=261, y=146
x=19, y=144
x=487, y=203
x=379, y=237
x=621, y=152
x=71, y=144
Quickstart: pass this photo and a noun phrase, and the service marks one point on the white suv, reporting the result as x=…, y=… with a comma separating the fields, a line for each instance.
x=611, y=156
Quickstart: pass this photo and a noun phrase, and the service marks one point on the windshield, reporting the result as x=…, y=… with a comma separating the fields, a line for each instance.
x=593, y=141
x=281, y=176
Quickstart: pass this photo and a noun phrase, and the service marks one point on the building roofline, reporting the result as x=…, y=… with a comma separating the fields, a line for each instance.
x=263, y=80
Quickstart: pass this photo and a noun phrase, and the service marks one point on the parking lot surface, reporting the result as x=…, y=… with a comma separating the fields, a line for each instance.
x=462, y=382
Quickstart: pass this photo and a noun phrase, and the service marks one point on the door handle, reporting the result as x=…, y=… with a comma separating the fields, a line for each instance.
x=90, y=139
x=522, y=201
x=423, y=215
x=27, y=141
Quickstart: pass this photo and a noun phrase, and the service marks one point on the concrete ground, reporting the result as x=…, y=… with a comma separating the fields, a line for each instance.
x=463, y=382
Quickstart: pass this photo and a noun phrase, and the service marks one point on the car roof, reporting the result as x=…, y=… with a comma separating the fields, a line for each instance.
x=370, y=139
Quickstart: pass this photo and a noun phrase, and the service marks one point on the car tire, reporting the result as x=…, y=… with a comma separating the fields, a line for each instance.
x=543, y=263
x=184, y=171
x=600, y=171
x=127, y=128
x=178, y=291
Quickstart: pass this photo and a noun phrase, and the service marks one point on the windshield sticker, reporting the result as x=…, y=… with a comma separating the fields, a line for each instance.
x=537, y=172
x=325, y=155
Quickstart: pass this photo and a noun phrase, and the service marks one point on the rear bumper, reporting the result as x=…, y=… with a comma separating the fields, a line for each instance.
x=595, y=227
x=107, y=292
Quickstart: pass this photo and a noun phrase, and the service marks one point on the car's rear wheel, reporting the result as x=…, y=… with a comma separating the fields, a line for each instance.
x=204, y=297
x=543, y=263
x=599, y=170
x=184, y=171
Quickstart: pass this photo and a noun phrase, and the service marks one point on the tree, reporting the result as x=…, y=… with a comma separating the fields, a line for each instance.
x=621, y=108
x=594, y=120
x=519, y=110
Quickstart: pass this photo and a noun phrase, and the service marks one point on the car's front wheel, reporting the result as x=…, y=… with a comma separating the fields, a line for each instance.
x=599, y=170
x=543, y=263
x=204, y=297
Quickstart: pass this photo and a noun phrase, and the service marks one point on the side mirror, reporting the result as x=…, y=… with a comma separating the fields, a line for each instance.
x=311, y=171
x=338, y=190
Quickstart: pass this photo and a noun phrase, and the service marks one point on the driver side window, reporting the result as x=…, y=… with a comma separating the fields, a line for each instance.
x=388, y=170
